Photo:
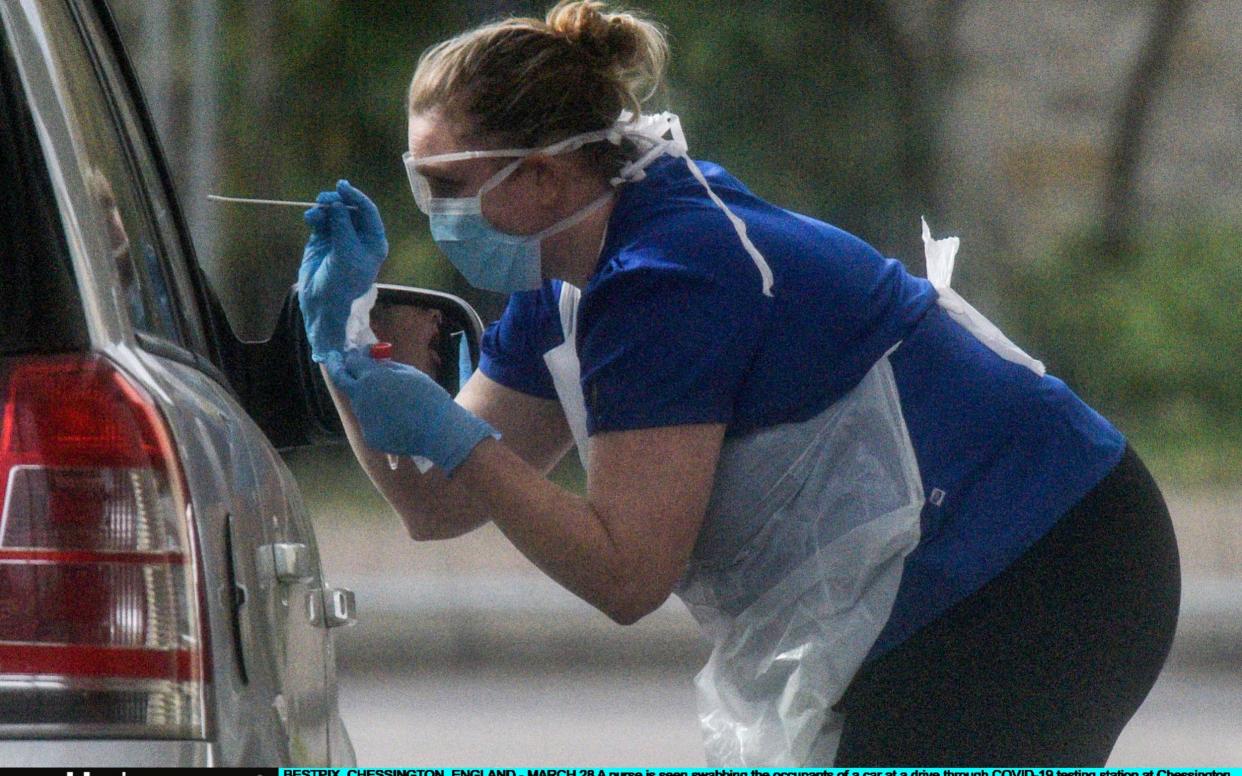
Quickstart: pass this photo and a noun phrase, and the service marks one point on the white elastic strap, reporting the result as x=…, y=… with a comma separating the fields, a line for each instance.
x=458, y=156
x=575, y=218
x=739, y=225
x=636, y=170
x=561, y=146
x=497, y=178
x=472, y=204
x=652, y=129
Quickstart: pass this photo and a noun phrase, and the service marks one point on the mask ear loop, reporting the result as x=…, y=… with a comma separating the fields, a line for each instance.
x=574, y=219
x=564, y=146
x=636, y=170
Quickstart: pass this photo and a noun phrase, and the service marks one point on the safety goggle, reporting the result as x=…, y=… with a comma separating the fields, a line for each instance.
x=429, y=204
x=421, y=186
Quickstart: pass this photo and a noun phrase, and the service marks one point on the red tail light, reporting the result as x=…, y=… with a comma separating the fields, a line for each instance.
x=101, y=631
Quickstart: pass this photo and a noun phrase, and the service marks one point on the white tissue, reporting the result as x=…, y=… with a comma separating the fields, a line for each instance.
x=358, y=334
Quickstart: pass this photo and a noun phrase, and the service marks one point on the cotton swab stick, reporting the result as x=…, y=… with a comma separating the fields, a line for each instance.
x=280, y=202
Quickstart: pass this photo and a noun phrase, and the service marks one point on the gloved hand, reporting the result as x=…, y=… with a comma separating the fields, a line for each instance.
x=404, y=412
x=340, y=263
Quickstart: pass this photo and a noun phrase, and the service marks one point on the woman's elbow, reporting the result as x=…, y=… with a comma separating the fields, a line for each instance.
x=427, y=530
x=422, y=531
x=628, y=607
x=627, y=616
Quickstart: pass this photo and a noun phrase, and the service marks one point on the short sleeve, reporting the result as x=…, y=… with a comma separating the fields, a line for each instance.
x=665, y=346
x=513, y=347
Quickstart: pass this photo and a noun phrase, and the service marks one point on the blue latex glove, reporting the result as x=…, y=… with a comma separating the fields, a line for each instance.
x=404, y=412
x=340, y=263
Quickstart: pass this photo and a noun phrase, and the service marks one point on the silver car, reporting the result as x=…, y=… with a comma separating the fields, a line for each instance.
x=161, y=595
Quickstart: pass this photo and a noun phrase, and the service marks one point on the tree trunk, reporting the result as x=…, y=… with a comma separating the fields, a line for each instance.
x=1129, y=130
x=920, y=74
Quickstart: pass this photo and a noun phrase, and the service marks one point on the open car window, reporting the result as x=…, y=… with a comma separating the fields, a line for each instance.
x=119, y=177
x=38, y=290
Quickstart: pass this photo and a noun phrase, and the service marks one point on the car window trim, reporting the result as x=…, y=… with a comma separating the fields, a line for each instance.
x=211, y=327
x=134, y=168
x=158, y=346
x=215, y=334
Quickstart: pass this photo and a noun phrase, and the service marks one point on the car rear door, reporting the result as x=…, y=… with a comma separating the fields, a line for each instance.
x=268, y=695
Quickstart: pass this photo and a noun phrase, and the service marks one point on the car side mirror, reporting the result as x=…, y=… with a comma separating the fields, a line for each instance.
x=432, y=330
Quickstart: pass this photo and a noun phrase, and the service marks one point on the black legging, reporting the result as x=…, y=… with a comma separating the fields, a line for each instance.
x=1046, y=663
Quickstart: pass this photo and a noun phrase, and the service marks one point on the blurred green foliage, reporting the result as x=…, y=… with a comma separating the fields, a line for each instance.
x=314, y=91
x=1152, y=341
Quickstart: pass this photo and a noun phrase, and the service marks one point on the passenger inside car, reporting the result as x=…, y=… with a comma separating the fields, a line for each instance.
x=416, y=334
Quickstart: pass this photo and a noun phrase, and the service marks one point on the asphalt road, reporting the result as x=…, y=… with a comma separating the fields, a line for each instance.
x=589, y=718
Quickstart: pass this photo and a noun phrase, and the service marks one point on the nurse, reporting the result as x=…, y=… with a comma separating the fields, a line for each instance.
x=907, y=543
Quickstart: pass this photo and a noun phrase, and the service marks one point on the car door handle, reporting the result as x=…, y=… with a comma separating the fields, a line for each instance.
x=286, y=562
x=332, y=608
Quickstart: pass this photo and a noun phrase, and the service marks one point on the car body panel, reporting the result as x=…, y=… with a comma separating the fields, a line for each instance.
x=272, y=694
x=132, y=754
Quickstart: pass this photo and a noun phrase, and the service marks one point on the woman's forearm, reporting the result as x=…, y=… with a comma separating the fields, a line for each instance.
x=431, y=505
x=621, y=548
x=564, y=534
x=555, y=529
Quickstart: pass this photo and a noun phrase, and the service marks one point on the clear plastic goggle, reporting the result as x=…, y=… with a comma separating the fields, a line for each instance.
x=421, y=187
x=430, y=204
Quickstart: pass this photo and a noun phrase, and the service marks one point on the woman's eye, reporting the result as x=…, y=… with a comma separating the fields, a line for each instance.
x=443, y=188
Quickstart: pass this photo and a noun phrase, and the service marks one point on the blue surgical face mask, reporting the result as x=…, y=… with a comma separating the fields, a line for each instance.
x=493, y=260
x=487, y=257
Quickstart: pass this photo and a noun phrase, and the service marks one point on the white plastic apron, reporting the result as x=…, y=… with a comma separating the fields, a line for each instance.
x=796, y=568
x=830, y=508
x=796, y=571
x=940, y=256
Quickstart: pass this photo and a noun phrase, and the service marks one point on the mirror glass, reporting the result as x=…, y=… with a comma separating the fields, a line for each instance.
x=431, y=330
x=435, y=332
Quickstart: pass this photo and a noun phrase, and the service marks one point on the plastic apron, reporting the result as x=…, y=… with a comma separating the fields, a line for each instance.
x=796, y=568
x=797, y=565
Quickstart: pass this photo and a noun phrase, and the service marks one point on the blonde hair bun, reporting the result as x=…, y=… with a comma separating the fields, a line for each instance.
x=619, y=40
x=616, y=37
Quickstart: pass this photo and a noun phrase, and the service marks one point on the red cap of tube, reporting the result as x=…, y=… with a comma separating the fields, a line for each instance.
x=381, y=351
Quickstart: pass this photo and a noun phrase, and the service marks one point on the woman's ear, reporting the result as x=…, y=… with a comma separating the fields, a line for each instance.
x=547, y=177
x=554, y=183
